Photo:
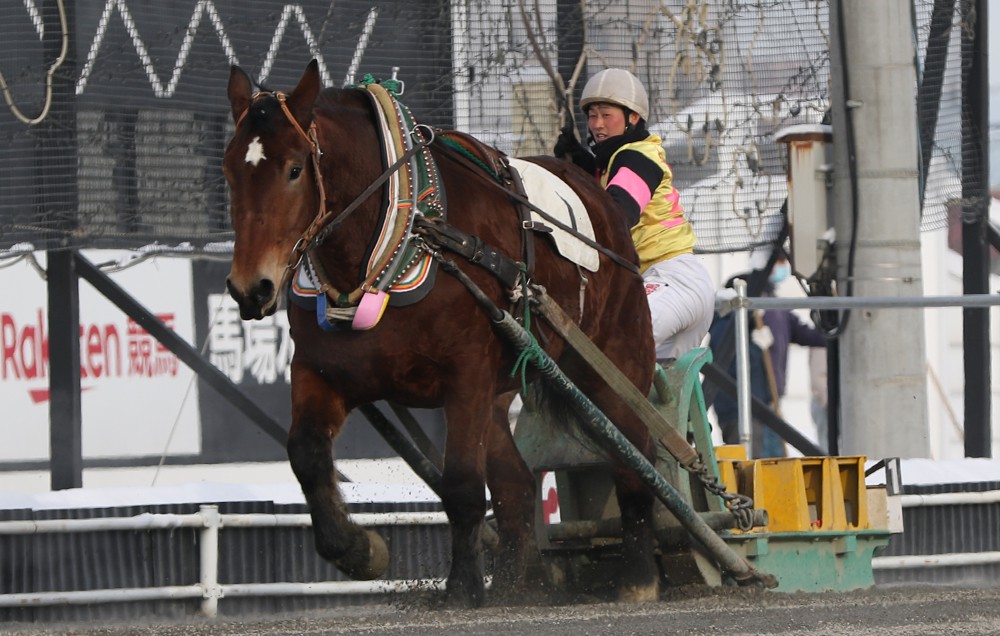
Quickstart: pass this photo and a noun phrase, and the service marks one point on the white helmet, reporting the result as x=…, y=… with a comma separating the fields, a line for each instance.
x=616, y=86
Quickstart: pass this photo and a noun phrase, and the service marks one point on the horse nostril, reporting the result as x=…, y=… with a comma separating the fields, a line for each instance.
x=264, y=290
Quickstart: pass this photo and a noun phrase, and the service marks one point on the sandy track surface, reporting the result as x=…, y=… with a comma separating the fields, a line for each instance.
x=893, y=611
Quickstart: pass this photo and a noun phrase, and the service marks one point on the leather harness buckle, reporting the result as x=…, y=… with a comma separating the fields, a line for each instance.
x=535, y=226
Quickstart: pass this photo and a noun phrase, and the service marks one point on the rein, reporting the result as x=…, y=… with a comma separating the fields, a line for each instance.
x=475, y=168
x=325, y=228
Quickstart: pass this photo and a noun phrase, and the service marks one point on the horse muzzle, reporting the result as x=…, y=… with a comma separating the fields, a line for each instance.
x=257, y=302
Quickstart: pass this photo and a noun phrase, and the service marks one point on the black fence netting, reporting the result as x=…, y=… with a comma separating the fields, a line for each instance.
x=122, y=148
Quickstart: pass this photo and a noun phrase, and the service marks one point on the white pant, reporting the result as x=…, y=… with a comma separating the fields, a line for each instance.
x=681, y=298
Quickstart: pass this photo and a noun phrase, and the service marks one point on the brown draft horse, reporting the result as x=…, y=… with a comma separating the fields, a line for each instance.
x=439, y=352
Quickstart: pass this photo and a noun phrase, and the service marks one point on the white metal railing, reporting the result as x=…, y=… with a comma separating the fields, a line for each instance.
x=941, y=560
x=743, y=304
x=209, y=521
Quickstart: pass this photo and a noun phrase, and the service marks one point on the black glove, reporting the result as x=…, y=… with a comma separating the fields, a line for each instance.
x=568, y=147
x=567, y=144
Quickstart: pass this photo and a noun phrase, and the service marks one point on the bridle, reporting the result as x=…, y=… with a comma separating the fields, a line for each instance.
x=324, y=222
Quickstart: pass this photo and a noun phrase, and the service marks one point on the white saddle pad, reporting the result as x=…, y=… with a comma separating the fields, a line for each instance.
x=558, y=200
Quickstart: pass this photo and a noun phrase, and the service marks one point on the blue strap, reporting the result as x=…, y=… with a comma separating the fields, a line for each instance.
x=321, y=319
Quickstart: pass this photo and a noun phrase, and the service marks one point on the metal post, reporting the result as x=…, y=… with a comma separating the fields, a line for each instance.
x=743, y=368
x=975, y=215
x=65, y=417
x=832, y=441
x=56, y=170
x=208, y=549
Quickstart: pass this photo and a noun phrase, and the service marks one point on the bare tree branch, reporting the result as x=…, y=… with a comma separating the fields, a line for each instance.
x=564, y=91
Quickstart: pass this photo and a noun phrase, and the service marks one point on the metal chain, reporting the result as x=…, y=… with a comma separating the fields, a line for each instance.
x=739, y=505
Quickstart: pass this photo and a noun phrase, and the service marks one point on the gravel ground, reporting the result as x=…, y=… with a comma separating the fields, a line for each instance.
x=892, y=610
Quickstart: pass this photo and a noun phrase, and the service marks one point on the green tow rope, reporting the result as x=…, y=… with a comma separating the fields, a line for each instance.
x=533, y=352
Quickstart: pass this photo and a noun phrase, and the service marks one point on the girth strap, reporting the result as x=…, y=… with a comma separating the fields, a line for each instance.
x=527, y=235
x=440, y=235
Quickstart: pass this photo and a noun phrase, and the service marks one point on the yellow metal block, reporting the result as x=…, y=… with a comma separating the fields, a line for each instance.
x=823, y=496
x=850, y=472
x=803, y=494
x=779, y=486
x=727, y=475
x=731, y=451
x=727, y=458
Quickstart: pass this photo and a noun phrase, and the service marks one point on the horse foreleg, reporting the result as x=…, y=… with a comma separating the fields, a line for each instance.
x=512, y=488
x=317, y=416
x=463, y=492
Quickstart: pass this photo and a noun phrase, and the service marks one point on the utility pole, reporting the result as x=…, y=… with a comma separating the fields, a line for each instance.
x=877, y=220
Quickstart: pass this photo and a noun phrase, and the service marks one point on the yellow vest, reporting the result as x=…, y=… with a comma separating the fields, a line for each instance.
x=662, y=231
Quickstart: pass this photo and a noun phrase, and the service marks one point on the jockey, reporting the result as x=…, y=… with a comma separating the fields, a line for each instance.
x=630, y=163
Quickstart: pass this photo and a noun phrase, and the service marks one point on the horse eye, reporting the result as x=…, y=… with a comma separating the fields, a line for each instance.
x=294, y=173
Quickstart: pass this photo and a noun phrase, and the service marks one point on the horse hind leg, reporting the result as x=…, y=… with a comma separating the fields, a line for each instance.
x=316, y=418
x=513, y=491
x=463, y=490
x=639, y=575
x=639, y=578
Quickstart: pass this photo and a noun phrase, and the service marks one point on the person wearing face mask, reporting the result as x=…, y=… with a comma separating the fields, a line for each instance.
x=631, y=164
x=784, y=328
x=771, y=334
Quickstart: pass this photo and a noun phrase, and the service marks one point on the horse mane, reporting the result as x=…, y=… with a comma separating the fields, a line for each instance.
x=264, y=112
x=333, y=98
x=261, y=115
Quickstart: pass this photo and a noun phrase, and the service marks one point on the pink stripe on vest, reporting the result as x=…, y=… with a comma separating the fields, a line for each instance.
x=676, y=211
x=630, y=182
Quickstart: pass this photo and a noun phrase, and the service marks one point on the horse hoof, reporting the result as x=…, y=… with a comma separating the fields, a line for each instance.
x=639, y=594
x=378, y=558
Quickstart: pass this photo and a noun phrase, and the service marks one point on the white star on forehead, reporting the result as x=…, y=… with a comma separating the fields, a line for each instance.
x=255, y=152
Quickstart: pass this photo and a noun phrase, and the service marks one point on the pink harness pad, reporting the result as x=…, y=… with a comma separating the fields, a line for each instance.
x=370, y=310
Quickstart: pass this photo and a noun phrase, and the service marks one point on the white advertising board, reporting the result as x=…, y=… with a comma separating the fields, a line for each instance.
x=137, y=398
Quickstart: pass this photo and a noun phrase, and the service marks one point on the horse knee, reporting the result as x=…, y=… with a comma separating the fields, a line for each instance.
x=463, y=504
x=310, y=456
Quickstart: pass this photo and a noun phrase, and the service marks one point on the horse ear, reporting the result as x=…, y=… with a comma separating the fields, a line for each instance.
x=240, y=89
x=301, y=100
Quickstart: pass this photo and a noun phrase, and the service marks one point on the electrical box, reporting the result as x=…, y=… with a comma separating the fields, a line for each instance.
x=810, y=167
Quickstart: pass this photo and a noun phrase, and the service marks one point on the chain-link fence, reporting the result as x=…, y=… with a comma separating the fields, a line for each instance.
x=127, y=150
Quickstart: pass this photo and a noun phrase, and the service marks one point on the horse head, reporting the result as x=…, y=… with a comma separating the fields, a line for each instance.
x=274, y=193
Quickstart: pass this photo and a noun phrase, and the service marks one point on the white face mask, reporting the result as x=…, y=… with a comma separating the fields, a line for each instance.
x=780, y=273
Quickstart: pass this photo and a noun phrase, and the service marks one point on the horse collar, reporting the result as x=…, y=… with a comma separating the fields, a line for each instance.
x=395, y=265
